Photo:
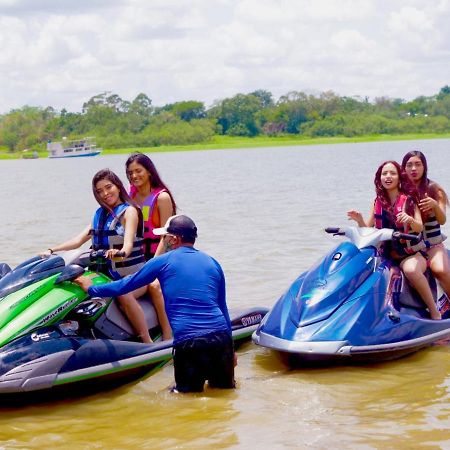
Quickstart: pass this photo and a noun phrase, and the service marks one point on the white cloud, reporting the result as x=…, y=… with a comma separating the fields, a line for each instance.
x=61, y=55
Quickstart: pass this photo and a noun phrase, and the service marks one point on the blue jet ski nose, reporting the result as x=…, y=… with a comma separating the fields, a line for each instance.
x=329, y=283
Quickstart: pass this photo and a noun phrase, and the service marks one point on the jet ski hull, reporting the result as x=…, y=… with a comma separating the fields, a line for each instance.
x=296, y=354
x=51, y=361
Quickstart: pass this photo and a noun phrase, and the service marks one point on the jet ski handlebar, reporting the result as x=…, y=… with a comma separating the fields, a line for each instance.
x=397, y=235
x=72, y=271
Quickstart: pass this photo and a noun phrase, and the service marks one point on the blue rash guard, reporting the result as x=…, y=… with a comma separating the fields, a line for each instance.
x=193, y=285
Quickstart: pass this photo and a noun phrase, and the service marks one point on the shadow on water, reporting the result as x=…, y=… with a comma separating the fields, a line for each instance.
x=274, y=361
x=66, y=394
x=84, y=391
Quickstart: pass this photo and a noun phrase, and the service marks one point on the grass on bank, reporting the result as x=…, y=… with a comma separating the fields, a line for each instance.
x=229, y=142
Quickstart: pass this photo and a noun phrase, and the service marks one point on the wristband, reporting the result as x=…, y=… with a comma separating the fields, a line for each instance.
x=50, y=250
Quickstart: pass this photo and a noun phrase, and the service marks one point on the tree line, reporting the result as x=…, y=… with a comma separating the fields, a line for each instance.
x=119, y=123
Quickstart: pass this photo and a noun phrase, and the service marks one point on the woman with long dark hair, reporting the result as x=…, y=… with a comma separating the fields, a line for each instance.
x=153, y=196
x=395, y=207
x=433, y=202
x=117, y=229
x=157, y=204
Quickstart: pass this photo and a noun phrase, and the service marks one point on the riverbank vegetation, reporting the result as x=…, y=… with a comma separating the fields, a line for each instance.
x=245, y=120
x=230, y=142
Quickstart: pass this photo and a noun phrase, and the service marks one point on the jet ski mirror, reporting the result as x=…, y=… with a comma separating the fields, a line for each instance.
x=69, y=273
x=4, y=269
x=335, y=231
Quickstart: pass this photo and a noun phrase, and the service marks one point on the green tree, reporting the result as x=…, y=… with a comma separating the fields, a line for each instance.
x=187, y=110
x=444, y=92
x=141, y=105
x=24, y=127
x=237, y=115
x=265, y=97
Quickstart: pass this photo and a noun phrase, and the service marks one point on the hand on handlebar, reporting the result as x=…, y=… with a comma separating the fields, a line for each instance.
x=114, y=253
x=107, y=254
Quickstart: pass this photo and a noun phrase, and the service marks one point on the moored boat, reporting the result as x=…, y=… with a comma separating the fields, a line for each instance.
x=73, y=148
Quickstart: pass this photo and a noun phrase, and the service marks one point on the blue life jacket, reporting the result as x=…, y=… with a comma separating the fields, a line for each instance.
x=108, y=233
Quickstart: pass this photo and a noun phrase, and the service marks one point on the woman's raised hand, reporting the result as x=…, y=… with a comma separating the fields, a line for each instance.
x=427, y=204
x=404, y=218
x=354, y=215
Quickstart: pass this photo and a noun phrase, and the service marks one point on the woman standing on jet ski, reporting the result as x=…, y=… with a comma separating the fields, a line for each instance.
x=432, y=204
x=157, y=204
x=395, y=208
x=116, y=228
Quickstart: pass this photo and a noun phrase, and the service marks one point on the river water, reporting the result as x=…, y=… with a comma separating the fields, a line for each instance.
x=261, y=213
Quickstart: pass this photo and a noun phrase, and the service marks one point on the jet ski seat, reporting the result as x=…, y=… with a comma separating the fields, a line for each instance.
x=410, y=298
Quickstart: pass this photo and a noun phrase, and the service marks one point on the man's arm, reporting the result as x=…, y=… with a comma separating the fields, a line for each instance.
x=143, y=277
x=222, y=302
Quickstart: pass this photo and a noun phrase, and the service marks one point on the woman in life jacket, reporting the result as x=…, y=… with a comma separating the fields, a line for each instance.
x=157, y=204
x=116, y=227
x=394, y=207
x=433, y=202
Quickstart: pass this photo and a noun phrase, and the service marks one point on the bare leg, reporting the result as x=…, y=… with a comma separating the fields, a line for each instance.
x=135, y=314
x=154, y=289
x=440, y=266
x=414, y=268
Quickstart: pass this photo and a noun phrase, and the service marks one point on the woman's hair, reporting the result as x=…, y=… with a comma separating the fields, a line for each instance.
x=404, y=187
x=426, y=186
x=107, y=174
x=155, y=179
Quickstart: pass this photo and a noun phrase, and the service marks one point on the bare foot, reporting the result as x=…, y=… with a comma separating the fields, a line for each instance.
x=146, y=339
x=436, y=315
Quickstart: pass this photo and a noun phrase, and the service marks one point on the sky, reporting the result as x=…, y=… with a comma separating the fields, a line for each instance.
x=60, y=53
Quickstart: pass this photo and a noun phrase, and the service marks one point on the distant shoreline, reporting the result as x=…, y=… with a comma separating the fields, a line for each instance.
x=227, y=142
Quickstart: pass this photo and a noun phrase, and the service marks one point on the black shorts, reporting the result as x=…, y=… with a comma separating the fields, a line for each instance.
x=205, y=358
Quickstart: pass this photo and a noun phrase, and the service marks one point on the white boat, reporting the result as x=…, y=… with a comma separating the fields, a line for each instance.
x=71, y=149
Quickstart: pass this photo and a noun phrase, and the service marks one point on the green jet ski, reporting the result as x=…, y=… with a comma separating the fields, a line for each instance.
x=54, y=338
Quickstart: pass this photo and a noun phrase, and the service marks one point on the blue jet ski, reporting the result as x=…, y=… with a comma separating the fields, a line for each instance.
x=354, y=305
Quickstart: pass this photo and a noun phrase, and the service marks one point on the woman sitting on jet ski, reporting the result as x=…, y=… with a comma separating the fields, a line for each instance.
x=117, y=228
x=395, y=207
x=432, y=204
x=157, y=204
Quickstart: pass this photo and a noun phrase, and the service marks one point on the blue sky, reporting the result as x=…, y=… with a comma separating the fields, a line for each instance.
x=62, y=52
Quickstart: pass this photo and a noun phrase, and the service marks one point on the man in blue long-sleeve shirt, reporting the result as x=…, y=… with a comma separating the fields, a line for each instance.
x=193, y=285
